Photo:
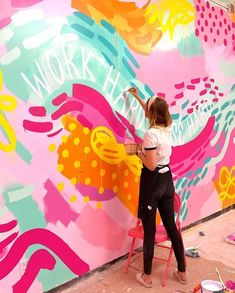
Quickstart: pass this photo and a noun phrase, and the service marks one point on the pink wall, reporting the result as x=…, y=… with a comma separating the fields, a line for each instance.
x=69, y=191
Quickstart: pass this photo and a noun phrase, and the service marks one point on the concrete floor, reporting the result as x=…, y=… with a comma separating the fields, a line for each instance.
x=214, y=252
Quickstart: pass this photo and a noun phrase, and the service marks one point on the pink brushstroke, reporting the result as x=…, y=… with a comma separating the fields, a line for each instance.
x=24, y=3
x=84, y=121
x=93, y=193
x=181, y=152
x=41, y=259
x=45, y=238
x=4, y=22
x=37, y=126
x=180, y=85
x=59, y=99
x=91, y=96
x=195, y=80
x=55, y=133
x=7, y=241
x=67, y=108
x=111, y=235
x=8, y=226
x=191, y=87
x=61, y=211
x=38, y=111
x=130, y=127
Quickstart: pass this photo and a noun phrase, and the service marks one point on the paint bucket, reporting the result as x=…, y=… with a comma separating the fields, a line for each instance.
x=209, y=286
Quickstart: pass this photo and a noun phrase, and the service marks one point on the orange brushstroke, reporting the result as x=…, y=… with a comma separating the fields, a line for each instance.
x=130, y=21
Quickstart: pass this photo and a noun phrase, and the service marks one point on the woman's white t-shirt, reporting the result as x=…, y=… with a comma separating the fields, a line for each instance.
x=158, y=138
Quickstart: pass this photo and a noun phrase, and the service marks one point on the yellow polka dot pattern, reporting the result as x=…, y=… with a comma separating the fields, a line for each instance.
x=52, y=147
x=60, y=167
x=65, y=153
x=60, y=186
x=86, y=198
x=99, y=205
x=73, y=198
x=78, y=162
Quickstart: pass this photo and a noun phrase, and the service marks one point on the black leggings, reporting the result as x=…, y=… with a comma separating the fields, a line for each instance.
x=164, y=201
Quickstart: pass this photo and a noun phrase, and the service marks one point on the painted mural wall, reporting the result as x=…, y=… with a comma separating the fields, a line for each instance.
x=68, y=189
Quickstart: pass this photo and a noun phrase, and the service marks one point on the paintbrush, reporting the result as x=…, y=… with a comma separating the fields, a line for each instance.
x=221, y=281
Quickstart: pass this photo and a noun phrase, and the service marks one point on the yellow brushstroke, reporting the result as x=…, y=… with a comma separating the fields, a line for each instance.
x=171, y=13
x=106, y=147
x=226, y=184
x=7, y=103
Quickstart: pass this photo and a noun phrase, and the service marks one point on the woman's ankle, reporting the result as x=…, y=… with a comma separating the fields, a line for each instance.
x=147, y=278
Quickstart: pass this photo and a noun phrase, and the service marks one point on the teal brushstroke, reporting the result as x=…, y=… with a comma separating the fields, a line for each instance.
x=225, y=105
x=216, y=110
x=183, y=208
x=128, y=68
x=183, y=195
x=233, y=89
x=107, y=26
x=218, y=117
x=190, y=182
x=216, y=127
x=204, y=173
x=225, y=126
x=184, y=183
x=188, y=194
x=178, y=183
x=108, y=45
x=189, y=173
x=184, y=117
x=207, y=160
x=218, y=147
x=108, y=60
x=190, y=46
x=131, y=57
x=198, y=171
x=175, y=116
x=184, y=105
x=227, y=115
x=148, y=90
x=26, y=211
x=23, y=152
x=28, y=215
x=84, y=18
x=196, y=181
x=82, y=30
x=230, y=121
x=184, y=216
